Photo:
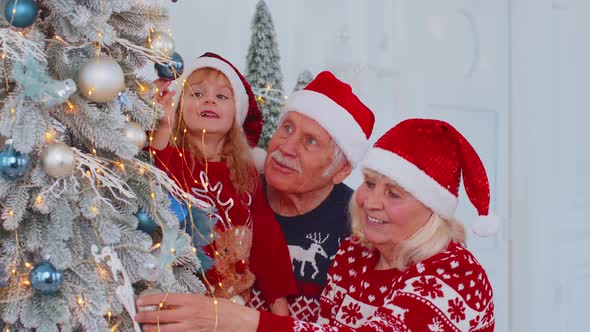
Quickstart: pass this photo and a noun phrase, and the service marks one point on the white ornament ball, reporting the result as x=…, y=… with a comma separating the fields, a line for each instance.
x=135, y=134
x=162, y=43
x=58, y=160
x=101, y=79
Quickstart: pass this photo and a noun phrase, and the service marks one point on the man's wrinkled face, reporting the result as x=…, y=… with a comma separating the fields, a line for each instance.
x=299, y=153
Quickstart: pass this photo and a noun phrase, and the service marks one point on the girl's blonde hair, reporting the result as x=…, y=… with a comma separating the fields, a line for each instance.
x=429, y=240
x=236, y=151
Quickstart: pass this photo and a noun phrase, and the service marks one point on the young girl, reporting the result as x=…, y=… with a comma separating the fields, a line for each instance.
x=201, y=143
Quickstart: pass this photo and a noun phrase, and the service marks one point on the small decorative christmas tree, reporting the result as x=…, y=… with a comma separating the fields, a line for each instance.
x=263, y=70
x=303, y=80
x=82, y=218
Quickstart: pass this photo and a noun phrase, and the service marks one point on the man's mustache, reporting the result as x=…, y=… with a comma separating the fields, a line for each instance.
x=278, y=156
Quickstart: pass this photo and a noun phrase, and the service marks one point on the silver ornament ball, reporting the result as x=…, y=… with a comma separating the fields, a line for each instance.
x=58, y=160
x=101, y=79
x=135, y=134
x=161, y=42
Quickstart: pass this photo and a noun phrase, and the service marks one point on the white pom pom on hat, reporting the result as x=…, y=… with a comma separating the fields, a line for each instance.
x=486, y=226
x=259, y=156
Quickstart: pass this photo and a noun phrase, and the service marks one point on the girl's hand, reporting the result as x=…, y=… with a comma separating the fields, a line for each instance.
x=164, y=97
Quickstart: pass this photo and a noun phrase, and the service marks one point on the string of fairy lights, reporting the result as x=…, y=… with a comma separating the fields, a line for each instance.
x=50, y=136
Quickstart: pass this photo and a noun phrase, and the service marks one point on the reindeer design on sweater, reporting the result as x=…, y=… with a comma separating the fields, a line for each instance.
x=308, y=255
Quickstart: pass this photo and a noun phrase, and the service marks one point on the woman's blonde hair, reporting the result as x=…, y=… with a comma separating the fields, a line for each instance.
x=236, y=151
x=429, y=240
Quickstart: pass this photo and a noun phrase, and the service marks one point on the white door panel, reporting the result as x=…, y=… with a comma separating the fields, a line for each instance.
x=458, y=60
x=571, y=74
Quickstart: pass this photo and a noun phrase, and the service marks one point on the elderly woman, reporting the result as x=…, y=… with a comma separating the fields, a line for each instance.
x=405, y=268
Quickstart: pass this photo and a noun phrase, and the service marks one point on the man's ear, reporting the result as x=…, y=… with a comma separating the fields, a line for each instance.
x=342, y=173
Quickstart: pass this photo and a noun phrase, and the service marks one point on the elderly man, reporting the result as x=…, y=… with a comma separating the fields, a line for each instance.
x=324, y=133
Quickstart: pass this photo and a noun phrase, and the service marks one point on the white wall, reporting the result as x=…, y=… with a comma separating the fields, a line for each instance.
x=550, y=261
x=512, y=75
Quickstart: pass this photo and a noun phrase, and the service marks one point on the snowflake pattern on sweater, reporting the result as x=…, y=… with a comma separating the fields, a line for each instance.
x=447, y=292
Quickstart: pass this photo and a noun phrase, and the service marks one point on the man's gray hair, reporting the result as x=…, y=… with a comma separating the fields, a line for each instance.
x=338, y=158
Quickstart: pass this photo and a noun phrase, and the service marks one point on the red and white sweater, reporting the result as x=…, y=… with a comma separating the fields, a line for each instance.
x=449, y=291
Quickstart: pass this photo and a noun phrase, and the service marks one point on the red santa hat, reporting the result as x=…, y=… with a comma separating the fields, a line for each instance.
x=332, y=104
x=426, y=158
x=248, y=115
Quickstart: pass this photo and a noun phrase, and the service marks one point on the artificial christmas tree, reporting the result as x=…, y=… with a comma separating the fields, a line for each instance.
x=303, y=80
x=83, y=215
x=263, y=70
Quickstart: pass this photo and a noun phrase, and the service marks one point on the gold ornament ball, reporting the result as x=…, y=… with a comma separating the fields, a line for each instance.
x=161, y=42
x=101, y=79
x=135, y=134
x=58, y=160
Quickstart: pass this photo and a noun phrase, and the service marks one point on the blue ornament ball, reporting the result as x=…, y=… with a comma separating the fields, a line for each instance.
x=21, y=13
x=178, y=208
x=13, y=164
x=145, y=223
x=45, y=279
x=171, y=70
